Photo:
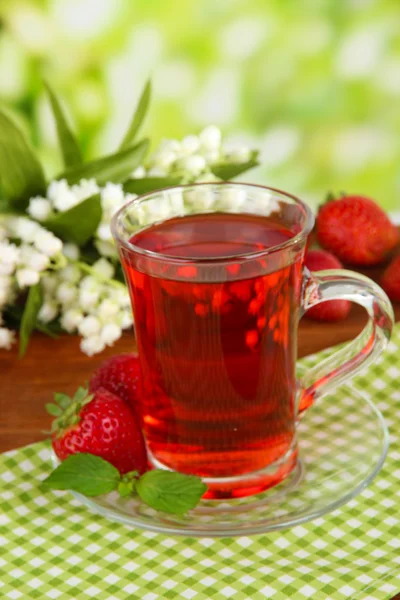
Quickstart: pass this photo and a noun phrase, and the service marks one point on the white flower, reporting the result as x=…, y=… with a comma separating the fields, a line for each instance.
x=164, y=159
x=88, y=298
x=6, y=269
x=106, y=248
x=89, y=326
x=65, y=200
x=112, y=196
x=71, y=319
x=120, y=296
x=190, y=144
x=107, y=309
x=70, y=273
x=232, y=199
x=33, y=259
x=66, y=293
x=170, y=146
x=104, y=268
x=193, y=164
x=104, y=232
x=126, y=319
x=57, y=188
x=176, y=202
x=9, y=253
x=27, y=277
x=85, y=188
x=110, y=333
x=89, y=283
x=157, y=172
x=139, y=173
x=7, y=338
x=24, y=228
x=239, y=155
x=39, y=208
x=92, y=345
x=48, y=243
x=212, y=156
x=48, y=311
x=200, y=199
x=210, y=137
x=71, y=251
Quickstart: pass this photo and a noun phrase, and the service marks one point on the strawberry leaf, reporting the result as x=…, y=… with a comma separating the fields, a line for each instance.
x=85, y=473
x=53, y=409
x=69, y=145
x=138, y=116
x=63, y=400
x=170, y=492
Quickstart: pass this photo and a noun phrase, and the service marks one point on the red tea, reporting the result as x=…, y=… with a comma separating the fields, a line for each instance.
x=215, y=340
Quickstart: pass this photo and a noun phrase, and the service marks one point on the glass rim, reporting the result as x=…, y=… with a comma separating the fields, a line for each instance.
x=303, y=233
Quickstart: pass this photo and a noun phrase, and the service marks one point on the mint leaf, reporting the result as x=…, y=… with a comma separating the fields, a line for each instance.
x=228, y=171
x=170, y=492
x=149, y=184
x=114, y=167
x=85, y=473
x=68, y=143
x=28, y=320
x=79, y=223
x=21, y=174
x=138, y=116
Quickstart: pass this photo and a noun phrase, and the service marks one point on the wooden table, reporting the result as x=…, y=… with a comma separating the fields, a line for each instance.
x=58, y=365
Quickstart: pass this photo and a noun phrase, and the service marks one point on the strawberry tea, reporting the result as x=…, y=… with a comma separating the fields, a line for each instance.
x=216, y=354
x=217, y=283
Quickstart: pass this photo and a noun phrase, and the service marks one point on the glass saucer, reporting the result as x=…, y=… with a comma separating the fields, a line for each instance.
x=343, y=443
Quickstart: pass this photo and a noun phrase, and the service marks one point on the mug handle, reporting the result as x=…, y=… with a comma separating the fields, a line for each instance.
x=337, y=284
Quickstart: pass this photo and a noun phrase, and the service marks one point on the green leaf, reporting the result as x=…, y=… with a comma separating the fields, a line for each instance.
x=53, y=409
x=28, y=321
x=228, y=171
x=21, y=174
x=150, y=184
x=126, y=488
x=63, y=400
x=138, y=116
x=170, y=492
x=115, y=167
x=84, y=473
x=69, y=145
x=79, y=223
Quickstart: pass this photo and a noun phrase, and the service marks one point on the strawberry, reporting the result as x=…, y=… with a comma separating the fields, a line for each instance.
x=356, y=230
x=100, y=424
x=333, y=310
x=391, y=279
x=120, y=375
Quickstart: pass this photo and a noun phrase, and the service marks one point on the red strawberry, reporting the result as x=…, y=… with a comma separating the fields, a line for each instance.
x=356, y=230
x=333, y=310
x=101, y=424
x=120, y=375
x=391, y=279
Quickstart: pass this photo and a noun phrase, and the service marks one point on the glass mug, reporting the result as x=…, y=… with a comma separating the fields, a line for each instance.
x=218, y=285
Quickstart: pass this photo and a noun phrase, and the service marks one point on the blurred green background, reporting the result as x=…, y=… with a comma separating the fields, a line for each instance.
x=314, y=84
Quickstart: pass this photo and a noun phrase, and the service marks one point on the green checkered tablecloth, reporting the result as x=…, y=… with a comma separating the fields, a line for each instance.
x=51, y=546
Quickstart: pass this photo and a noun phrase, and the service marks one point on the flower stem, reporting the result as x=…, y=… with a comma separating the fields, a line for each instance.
x=91, y=271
